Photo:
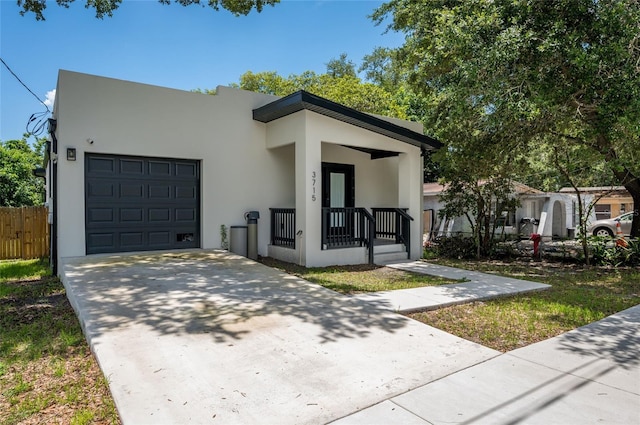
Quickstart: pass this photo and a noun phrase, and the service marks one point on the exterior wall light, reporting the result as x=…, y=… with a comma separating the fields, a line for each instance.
x=39, y=172
x=71, y=154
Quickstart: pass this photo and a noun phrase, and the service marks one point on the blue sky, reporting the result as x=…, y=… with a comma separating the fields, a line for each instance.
x=174, y=46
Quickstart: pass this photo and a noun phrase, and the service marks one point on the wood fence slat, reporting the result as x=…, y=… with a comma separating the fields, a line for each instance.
x=24, y=232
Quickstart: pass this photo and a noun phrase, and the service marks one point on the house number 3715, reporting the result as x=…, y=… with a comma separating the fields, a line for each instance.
x=313, y=186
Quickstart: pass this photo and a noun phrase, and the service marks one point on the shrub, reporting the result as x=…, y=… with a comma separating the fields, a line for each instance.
x=456, y=246
x=606, y=253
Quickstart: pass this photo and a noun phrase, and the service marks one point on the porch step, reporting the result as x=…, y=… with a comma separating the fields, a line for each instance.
x=383, y=254
x=393, y=247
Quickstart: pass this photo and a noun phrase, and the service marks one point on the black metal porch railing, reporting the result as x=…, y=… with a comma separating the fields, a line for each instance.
x=283, y=227
x=393, y=224
x=348, y=227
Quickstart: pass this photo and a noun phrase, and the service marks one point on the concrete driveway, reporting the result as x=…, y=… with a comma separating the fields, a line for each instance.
x=205, y=336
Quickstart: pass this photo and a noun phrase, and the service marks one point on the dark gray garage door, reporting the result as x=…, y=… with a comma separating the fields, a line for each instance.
x=140, y=204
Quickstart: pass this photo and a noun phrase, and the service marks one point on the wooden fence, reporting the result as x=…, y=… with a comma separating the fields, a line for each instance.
x=24, y=232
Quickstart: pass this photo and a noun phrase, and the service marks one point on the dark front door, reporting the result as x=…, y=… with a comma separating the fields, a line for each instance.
x=338, y=200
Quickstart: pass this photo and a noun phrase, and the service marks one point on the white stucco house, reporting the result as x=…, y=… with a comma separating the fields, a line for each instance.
x=135, y=167
x=550, y=214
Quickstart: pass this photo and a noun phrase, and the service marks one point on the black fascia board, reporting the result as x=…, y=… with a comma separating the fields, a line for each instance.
x=301, y=100
x=375, y=153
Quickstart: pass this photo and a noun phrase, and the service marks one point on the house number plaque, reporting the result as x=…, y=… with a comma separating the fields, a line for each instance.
x=313, y=186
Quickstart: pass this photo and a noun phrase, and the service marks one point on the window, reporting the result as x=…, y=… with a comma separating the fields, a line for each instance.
x=509, y=217
x=533, y=210
x=625, y=218
x=603, y=211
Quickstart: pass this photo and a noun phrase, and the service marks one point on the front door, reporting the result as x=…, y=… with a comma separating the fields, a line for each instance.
x=338, y=199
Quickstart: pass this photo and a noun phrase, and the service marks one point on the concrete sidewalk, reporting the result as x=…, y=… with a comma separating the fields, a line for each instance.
x=590, y=375
x=477, y=287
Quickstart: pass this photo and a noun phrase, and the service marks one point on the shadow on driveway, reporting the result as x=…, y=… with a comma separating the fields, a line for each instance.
x=205, y=336
x=212, y=293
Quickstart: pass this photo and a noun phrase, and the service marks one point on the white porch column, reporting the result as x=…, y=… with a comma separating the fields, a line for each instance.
x=410, y=196
x=309, y=197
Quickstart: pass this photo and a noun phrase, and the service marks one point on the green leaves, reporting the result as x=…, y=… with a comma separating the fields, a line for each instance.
x=107, y=7
x=503, y=77
x=18, y=186
x=345, y=89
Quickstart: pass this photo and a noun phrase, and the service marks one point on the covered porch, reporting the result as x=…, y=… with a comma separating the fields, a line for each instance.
x=383, y=233
x=355, y=193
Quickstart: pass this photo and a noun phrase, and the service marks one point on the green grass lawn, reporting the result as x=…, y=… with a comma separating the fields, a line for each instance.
x=358, y=278
x=579, y=296
x=47, y=372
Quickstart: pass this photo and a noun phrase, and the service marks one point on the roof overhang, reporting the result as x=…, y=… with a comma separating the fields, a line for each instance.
x=302, y=100
x=375, y=153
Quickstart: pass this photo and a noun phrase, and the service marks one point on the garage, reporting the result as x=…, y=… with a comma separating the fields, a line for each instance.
x=141, y=203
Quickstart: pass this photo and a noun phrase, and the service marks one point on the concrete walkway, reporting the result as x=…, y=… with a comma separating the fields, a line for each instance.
x=476, y=287
x=205, y=336
x=590, y=375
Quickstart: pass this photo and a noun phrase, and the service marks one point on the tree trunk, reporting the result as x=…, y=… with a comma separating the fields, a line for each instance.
x=479, y=221
x=632, y=184
x=626, y=179
x=582, y=220
x=635, y=225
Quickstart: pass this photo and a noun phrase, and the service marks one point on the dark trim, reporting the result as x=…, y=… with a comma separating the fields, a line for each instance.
x=47, y=153
x=302, y=100
x=350, y=188
x=375, y=153
x=53, y=230
x=345, y=231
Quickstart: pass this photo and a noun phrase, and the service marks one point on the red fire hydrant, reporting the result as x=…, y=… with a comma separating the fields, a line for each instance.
x=535, y=237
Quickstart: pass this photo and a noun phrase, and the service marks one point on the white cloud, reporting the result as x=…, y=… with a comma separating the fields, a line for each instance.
x=50, y=98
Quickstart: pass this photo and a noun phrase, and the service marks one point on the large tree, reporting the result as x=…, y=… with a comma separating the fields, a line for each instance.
x=107, y=7
x=18, y=186
x=527, y=72
x=341, y=67
x=346, y=89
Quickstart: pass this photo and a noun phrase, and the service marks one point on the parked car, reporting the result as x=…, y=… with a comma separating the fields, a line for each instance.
x=607, y=227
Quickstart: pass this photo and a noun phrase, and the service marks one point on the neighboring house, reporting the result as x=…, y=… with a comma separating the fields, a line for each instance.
x=134, y=167
x=611, y=201
x=549, y=214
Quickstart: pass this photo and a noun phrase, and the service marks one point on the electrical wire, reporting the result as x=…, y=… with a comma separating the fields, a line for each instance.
x=37, y=121
x=23, y=84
